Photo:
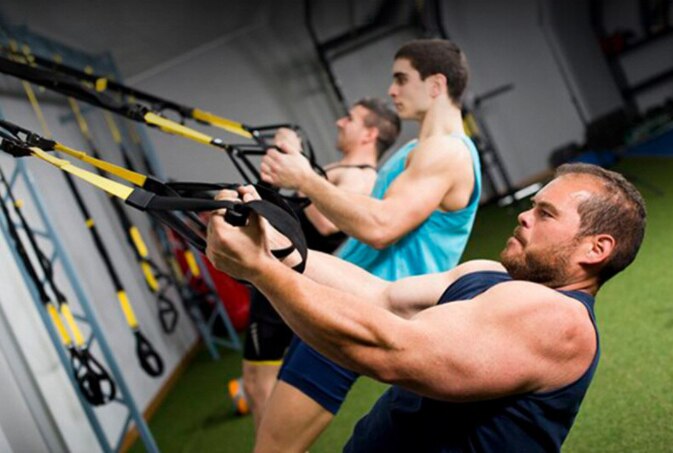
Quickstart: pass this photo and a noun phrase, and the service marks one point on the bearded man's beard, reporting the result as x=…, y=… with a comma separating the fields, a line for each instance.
x=547, y=267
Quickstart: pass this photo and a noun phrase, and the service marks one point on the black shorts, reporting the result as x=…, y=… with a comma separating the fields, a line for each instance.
x=267, y=336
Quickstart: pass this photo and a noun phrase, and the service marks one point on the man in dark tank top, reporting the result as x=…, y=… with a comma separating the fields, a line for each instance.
x=363, y=135
x=485, y=357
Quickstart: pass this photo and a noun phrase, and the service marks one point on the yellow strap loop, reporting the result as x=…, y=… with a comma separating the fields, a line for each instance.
x=149, y=276
x=172, y=127
x=223, y=123
x=70, y=320
x=138, y=241
x=112, y=187
x=101, y=84
x=191, y=262
x=127, y=309
x=60, y=328
x=125, y=174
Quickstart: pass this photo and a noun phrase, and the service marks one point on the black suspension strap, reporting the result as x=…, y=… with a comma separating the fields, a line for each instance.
x=93, y=380
x=160, y=199
x=150, y=361
x=154, y=277
x=166, y=244
x=81, y=90
x=101, y=83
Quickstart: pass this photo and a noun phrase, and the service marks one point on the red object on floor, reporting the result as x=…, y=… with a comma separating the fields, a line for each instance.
x=233, y=295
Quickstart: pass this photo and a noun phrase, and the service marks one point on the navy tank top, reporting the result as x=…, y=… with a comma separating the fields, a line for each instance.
x=402, y=421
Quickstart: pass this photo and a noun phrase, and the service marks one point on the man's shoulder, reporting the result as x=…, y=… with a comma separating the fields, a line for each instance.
x=446, y=148
x=524, y=298
x=470, y=267
x=445, y=141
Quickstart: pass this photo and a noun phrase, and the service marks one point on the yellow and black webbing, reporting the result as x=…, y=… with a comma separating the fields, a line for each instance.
x=81, y=89
x=154, y=277
x=160, y=199
x=94, y=381
x=150, y=361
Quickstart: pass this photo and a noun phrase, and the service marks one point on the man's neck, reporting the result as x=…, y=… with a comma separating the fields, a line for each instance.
x=587, y=285
x=443, y=117
x=362, y=155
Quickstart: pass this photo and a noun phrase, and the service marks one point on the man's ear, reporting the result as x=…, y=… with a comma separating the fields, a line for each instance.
x=438, y=85
x=371, y=135
x=598, y=249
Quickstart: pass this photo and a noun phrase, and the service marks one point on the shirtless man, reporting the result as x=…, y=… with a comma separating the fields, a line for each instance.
x=363, y=135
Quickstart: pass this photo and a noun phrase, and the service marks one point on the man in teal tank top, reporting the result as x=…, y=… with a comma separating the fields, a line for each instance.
x=486, y=357
x=416, y=221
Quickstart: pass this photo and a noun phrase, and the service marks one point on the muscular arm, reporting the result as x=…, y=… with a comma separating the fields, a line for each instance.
x=353, y=180
x=404, y=297
x=431, y=173
x=517, y=337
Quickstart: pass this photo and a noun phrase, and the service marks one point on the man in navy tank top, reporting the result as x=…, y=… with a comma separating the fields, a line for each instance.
x=487, y=356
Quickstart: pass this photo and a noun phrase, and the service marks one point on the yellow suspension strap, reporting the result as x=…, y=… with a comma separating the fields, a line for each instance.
x=163, y=200
x=167, y=241
x=183, y=248
x=80, y=89
x=149, y=359
x=93, y=380
x=156, y=281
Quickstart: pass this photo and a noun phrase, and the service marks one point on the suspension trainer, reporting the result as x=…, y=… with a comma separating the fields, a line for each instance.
x=190, y=259
x=149, y=359
x=162, y=200
x=93, y=380
x=169, y=247
x=101, y=83
x=81, y=90
x=154, y=277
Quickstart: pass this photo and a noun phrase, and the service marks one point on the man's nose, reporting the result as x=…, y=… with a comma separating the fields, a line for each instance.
x=524, y=218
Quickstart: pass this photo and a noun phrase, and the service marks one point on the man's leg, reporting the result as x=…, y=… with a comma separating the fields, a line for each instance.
x=259, y=379
x=309, y=392
x=267, y=338
x=291, y=422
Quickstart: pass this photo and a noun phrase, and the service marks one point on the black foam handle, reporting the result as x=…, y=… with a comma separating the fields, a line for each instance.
x=150, y=360
x=168, y=314
x=94, y=382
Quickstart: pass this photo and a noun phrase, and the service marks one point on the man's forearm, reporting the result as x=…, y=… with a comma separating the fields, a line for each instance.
x=359, y=216
x=338, y=274
x=338, y=324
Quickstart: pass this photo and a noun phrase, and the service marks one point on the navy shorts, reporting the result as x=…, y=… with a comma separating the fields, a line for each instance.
x=316, y=376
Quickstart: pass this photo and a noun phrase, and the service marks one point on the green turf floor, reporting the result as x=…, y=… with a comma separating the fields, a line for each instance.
x=629, y=407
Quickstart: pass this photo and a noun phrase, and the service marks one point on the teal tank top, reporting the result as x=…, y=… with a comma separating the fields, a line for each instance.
x=434, y=246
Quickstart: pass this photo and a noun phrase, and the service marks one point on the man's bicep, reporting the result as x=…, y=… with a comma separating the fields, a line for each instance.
x=481, y=351
x=419, y=189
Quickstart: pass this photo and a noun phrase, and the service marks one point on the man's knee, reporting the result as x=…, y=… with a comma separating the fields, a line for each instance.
x=258, y=382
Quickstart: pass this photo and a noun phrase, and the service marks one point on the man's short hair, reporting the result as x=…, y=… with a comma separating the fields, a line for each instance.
x=618, y=210
x=384, y=119
x=438, y=56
